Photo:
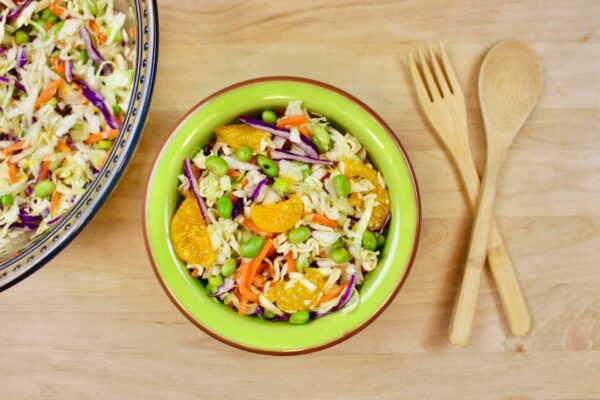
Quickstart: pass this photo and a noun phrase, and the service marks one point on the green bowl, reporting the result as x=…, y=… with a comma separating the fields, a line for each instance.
x=195, y=129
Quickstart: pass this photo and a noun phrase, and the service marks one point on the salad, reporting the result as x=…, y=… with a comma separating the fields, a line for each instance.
x=281, y=216
x=66, y=75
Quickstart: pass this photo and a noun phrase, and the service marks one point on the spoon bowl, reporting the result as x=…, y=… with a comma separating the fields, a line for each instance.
x=509, y=86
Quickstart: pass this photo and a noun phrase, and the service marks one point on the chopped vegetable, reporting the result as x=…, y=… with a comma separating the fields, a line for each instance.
x=291, y=228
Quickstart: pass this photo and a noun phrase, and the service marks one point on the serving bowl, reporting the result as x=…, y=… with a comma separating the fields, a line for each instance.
x=33, y=254
x=349, y=115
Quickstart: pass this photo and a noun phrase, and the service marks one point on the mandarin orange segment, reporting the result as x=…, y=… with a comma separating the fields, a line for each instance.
x=355, y=170
x=237, y=136
x=189, y=235
x=297, y=297
x=278, y=217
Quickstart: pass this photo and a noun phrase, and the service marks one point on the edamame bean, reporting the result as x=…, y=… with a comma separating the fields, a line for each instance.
x=53, y=102
x=341, y=185
x=229, y=267
x=21, y=37
x=299, y=234
x=269, y=117
x=337, y=243
x=251, y=247
x=104, y=144
x=380, y=241
x=117, y=109
x=224, y=206
x=44, y=188
x=269, y=314
x=46, y=13
x=52, y=18
x=321, y=138
x=369, y=240
x=57, y=27
x=300, y=317
x=267, y=165
x=340, y=255
x=216, y=165
x=7, y=200
x=280, y=186
x=215, y=281
x=211, y=289
x=244, y=153
x=83, y=56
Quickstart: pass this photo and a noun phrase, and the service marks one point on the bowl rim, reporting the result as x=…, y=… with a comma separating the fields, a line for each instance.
x=409, y=262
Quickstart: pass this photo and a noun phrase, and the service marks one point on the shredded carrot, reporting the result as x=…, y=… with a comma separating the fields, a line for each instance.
x=103, y=161
x=55, y=9
x=323, y=220
x=304, y=131
x=104, y=135
x=256, y=262
x=54, y=201
x=44, y=170
x=247, y=294
x=243, y=304
x=48, y=93
x=12, y=171
x=120, y=119
x=251, y=226
x=239, y=273
x=62, y=146
x=13, y=148
x=59, y=65
x=332, y=294
x=132, y=32
x=289, y=257
x=245, y=281
x=195, y=273
x=294, y=120
x=259, y=281
x=48, y=25
x=234, y=173
x=102, y=38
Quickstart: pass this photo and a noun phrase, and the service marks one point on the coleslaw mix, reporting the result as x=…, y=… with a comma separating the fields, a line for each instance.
x=66, y=74
x=282, y=216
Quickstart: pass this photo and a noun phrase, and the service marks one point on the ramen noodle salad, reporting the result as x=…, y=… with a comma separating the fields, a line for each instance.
x=281, y=216
x=66, y=74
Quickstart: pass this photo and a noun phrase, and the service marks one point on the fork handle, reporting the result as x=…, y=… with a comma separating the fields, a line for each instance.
x=507, y=285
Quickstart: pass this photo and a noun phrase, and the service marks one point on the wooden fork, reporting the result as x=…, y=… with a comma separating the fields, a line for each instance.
x=442, y=100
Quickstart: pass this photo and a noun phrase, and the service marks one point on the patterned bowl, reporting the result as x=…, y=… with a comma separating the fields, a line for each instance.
x=31, y=256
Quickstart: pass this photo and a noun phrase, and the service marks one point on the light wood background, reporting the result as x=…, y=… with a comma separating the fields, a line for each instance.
x=95, y=324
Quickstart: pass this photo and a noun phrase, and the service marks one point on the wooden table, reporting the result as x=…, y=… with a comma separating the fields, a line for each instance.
x=94, y=323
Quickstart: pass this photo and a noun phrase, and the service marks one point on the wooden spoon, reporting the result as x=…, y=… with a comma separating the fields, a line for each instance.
x=509, y=85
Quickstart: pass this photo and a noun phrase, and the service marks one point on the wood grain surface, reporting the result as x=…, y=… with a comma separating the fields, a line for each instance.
x=95, y=324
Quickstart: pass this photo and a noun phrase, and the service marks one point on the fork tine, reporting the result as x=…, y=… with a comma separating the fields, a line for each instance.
x=439, y=75
x=433, y=89
x=421, y=89
x=452, y=80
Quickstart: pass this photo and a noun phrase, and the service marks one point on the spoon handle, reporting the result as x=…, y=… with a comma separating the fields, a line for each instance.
x=461, y=322
x=509, y=291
